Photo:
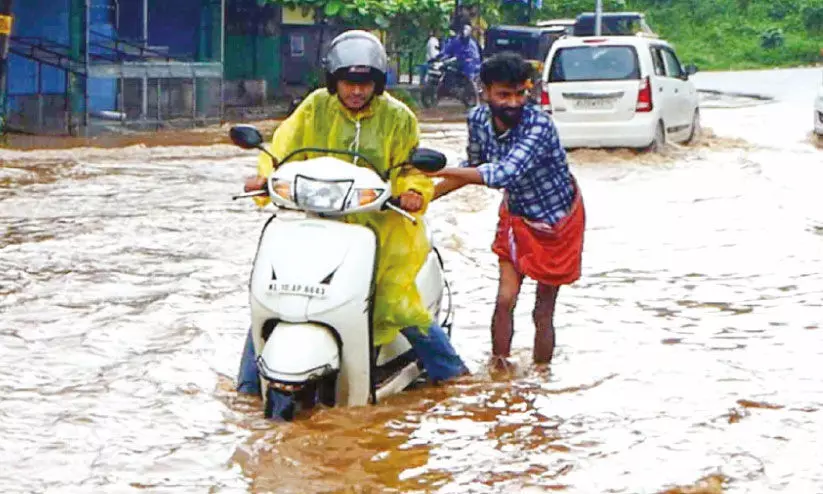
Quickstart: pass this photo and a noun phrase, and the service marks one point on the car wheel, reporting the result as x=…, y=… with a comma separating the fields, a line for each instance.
x=659, y=141
x=694, y=133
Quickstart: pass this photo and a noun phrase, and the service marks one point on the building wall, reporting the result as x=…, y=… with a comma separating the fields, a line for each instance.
x=171, y=24
x=102, y=92
x=253, y=39
x=251, y=57
x=49, y=20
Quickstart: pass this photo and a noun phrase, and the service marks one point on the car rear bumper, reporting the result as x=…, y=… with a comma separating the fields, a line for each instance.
x=636, y=133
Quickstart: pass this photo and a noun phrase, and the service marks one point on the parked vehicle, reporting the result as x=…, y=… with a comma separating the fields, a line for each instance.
x=532, y=43
x=445, y=79
x=613, y=24
x=566, y=24
x=312, y=284
x=619, y=92
x=818, y=113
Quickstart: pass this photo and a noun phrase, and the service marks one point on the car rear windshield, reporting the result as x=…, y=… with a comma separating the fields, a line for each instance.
x=612, y=25
x=594, y=63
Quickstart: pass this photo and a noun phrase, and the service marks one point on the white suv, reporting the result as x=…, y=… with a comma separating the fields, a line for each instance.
x=620, y=91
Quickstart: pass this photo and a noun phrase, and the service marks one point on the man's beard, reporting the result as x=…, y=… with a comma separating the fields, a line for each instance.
x=510, y=116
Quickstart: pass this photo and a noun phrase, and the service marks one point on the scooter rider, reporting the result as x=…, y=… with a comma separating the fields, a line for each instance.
x=353, y=112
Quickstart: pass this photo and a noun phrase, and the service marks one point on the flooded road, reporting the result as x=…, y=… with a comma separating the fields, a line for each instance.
x=688, y=354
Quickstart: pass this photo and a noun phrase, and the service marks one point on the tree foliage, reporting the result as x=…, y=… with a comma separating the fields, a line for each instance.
x=392, y=15
x=718, y=34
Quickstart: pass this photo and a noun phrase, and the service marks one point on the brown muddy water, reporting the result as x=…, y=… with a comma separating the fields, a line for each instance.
x=689, y=355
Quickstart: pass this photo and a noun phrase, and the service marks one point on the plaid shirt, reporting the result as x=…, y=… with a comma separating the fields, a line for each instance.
x=527, y=161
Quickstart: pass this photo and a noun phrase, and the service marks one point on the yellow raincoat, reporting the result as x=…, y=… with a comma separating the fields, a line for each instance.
x=388, y=133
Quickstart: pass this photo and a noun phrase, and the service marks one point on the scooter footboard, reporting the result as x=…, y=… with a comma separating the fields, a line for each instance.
x=297, y=353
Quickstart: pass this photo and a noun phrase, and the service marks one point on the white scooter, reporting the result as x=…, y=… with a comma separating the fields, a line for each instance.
x=312, y=284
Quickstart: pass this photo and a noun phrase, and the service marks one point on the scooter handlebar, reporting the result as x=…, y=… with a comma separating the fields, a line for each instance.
x=253, y=193
x=393, y=204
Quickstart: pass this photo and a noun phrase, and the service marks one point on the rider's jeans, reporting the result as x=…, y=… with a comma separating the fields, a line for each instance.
x=435, y=350
x=439, y=358
x=248, y=380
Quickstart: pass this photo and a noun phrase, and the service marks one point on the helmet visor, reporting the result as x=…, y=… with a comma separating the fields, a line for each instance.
x=358, y=74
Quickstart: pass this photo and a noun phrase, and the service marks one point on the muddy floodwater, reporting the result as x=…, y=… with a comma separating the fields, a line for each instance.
x=689, y=355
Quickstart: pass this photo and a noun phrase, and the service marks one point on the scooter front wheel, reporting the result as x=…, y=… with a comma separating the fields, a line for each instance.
x=279, y=405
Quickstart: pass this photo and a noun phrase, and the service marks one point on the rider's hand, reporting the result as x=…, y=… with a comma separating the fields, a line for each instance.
x=411, y=201
x=253, y=184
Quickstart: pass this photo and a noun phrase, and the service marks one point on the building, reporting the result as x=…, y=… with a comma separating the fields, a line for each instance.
x=85, y=66
x=76, y=66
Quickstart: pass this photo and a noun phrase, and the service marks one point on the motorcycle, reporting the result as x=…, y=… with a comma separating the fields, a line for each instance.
x=445, y=79
x=312, y=284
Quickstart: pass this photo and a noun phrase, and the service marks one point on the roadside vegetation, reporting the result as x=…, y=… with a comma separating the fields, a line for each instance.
x=740, y=34
x=718, y=34
x=714, y=34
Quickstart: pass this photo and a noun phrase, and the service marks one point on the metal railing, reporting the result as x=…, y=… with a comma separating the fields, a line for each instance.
x=129, y=50
x=150, y=89
x=400, y=60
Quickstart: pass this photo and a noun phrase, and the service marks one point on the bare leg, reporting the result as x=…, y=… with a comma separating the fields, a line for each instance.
x=543, y=315
x=503, y=319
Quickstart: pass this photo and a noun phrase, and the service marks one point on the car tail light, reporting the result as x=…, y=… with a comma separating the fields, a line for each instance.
x=545, y=102
x=644, y=97
x=593, y=41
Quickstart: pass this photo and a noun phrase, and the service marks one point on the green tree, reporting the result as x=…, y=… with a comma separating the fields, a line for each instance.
x=390, y=15
x=812, y=14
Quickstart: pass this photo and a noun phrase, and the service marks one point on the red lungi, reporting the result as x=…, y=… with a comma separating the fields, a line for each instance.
x=551, y=255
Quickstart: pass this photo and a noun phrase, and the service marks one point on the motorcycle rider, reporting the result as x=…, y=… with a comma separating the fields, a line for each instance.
x=353, y=112
x=465, y=48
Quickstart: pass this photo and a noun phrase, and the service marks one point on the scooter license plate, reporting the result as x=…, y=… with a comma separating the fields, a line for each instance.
x=306, y=290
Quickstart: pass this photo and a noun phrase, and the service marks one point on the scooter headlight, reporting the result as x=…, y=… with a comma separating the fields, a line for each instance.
x=282, y=188
x=364, y=197
x=321, y=195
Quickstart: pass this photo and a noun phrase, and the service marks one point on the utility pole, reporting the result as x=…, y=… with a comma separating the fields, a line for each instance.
x=5, y=32
x=598, y=18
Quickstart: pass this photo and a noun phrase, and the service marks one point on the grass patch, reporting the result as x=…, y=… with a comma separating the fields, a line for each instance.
x=738, y=34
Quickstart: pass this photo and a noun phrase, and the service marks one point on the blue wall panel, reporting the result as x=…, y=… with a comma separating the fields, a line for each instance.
x=48, y=19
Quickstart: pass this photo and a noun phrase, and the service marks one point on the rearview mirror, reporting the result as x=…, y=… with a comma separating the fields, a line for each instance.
x=691, y=69
x=428, y=160
x=246, y=136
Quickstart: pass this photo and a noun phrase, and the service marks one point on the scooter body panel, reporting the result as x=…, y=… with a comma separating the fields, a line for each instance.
x=317, y=275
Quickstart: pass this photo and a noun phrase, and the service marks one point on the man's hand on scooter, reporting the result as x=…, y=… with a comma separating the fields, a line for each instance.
x=411, y=201
x=253, y=184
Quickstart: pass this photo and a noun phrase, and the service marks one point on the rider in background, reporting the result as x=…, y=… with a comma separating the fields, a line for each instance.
x=465, y=48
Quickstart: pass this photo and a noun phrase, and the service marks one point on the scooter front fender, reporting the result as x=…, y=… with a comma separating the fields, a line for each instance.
x=298, y=353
